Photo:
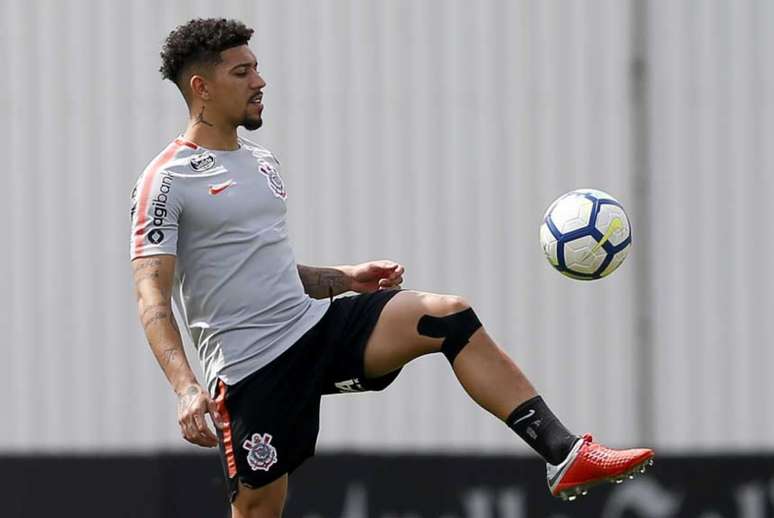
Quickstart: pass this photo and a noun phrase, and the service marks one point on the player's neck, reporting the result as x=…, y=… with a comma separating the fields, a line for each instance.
x=211, y=134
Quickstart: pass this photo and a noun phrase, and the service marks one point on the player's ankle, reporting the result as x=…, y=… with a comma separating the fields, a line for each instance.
x=534, y=422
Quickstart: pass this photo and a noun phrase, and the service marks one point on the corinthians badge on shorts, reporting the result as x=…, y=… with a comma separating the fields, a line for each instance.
x=273, y=179
x=261, y=454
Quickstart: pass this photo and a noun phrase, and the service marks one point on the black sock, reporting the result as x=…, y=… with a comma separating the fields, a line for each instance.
x=534, y=422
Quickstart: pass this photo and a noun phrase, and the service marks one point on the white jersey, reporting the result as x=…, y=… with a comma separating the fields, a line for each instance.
x=222, y=213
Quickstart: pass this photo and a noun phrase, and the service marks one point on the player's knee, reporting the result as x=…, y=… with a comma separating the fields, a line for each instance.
x=259, y=512
x=258, y=503
x=456, y=324
x=453, y=304
x=257, y=509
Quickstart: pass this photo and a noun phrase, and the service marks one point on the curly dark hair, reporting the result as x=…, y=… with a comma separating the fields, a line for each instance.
x=200, y=42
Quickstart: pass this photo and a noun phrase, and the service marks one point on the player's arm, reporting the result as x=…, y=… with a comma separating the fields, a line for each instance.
x=322, y=282
x=329, y=281
x=153, y=277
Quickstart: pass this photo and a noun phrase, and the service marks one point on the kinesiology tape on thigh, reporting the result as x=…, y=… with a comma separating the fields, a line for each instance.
x=456, y=329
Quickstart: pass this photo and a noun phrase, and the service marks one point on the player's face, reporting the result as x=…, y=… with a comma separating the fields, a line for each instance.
x=238, y=88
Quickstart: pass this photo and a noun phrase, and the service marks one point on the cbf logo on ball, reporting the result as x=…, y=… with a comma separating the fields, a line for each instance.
x=261, y=454
x=273, y=179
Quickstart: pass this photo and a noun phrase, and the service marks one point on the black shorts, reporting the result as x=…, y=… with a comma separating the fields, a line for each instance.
x=273, y=415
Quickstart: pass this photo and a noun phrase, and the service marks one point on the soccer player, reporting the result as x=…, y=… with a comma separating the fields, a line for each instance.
x=209, y=230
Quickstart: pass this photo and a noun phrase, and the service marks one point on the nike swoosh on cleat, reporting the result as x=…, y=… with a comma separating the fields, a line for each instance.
x=561, y=468
x=219, y=188
x=556, y=477
x=529, y=414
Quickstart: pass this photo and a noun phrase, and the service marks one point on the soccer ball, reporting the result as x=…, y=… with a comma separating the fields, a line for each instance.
x=586, y=234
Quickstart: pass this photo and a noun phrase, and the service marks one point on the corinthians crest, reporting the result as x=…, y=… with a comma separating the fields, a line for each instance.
x=261, y=454
x=273, y=179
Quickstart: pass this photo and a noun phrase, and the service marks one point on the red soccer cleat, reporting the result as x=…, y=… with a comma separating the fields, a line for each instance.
x=589, y=464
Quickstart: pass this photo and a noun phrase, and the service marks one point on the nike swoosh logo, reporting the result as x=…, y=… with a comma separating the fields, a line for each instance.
x=614, y=226
x=522, y=418
x=562, y=468
x=219, y=188
x=553, y=479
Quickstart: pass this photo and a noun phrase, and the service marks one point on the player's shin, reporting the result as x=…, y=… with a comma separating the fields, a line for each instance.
x=494, y=381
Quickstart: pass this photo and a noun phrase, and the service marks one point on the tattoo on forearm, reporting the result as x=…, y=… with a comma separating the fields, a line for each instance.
x=169, y=356
x=151, y=262
x=155, y=313
x=146, y=269
x=139, y=266
x=201, y=120
x=141, y=276
x=322, y=282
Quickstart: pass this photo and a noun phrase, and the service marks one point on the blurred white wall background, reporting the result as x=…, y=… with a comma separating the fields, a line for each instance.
x=431, y=132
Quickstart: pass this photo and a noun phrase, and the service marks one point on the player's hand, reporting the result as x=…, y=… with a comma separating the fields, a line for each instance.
x=192, y=405
x=376, y=275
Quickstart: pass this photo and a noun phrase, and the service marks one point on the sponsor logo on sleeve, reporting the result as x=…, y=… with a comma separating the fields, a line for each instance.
x=261, y=455
x=158, y=208
x=155, y=236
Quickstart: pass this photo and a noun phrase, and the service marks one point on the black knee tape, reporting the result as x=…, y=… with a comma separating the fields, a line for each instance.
x=456, y=329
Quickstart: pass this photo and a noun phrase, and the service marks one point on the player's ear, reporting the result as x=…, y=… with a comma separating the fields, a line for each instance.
x=199, y=87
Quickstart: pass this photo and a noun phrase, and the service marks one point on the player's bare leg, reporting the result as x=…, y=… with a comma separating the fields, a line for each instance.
x=413, y=324
x=262, y=502
x=486, y=373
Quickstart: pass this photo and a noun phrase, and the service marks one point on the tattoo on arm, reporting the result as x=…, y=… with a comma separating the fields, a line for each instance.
x=155, y=313
x=157, y=317
x=141, y=276
x=188, y=397
x=151, y=269
x=322, y=282
x=152, y=263
x=146, y=270
x=200, y=119
x=169, y=356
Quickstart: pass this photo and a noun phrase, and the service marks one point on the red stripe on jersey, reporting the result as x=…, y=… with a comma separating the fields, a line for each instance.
x=181, y=140
x=228, y=443
x=147, y=184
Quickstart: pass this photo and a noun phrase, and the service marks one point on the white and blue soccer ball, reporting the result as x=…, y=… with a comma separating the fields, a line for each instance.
x=586, y=234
